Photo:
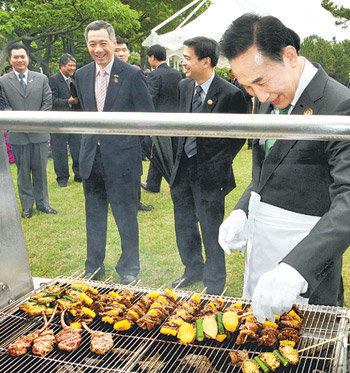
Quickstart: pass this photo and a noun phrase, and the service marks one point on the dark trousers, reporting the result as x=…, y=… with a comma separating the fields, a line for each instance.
x=31, y=162
x=60, y=156
x=192, y=205
x=154, y=178
x=100, y=191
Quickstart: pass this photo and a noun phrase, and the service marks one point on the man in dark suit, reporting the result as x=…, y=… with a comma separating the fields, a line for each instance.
x=163, y=83
x=62, y=100
x=298, y=201
x=203, y=173
x=110, y=165
x=27, y=90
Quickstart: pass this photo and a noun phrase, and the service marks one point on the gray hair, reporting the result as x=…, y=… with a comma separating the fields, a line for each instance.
x=65, y=58
x=98, y=25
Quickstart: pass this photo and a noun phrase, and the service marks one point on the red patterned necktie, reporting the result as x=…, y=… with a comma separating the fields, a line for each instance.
x=102, y=90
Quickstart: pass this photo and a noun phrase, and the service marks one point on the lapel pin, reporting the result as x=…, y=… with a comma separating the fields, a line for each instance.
x=210, y=102
x=308, y=111
x=116, y=78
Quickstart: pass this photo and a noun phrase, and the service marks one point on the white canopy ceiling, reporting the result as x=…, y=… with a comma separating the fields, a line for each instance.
x=305, y=17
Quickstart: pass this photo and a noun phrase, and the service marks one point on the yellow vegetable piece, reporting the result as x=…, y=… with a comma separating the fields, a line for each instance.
x=154, y=295
x=156, y=305
x=294, y=314
x=108, y=319
x=122, y=325
x=181, y=313
x=277, y=317
x=89, y=312
x=80, y=285
x=113, y=294
x=237, y=305
x=152, y=312
x=177, y=321
x=168, y=291
x=221, y=337
x=85, y=298
x=270, y=324
x=76, y=325
x=230, y=320
x=186, y=333
x=114, y=312
x=93, y=290
x=249, y=319
x=168, y=331
x=286, y=342
x=221, y=301
x=211, y=304
x=135, y=314
x=197, y=298
x=162, y=299
x=210, y=326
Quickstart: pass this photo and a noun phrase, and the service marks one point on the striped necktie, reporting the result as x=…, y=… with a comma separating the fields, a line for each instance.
x=102, y=91
x=269, y=143
x=22, y=82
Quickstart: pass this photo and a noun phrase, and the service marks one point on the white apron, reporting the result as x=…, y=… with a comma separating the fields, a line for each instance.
x=272, y=233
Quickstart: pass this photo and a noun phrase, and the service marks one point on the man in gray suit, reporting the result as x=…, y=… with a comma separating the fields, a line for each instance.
x=27, y=90
x=294, y=217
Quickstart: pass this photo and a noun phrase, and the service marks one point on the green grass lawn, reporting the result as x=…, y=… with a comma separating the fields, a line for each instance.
x=57, y=244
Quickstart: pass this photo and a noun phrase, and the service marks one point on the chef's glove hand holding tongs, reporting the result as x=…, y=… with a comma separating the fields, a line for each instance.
x=276, y=291
x=233, y=232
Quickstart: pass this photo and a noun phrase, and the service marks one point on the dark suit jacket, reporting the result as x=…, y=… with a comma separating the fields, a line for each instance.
x=37, y=97
x=60, y=92
x=214, y=155
x=162, y=83
x=2, y=101
x=127, y=91
x=313, y=178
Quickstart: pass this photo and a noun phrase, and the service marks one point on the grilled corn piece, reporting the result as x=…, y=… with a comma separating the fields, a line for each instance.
x=290, y=354
x=186, y=333
x=250, y=366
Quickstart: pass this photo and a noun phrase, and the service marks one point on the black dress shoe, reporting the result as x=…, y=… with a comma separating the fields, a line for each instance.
x=187, y=281
x=125, y=280
x=27, y=213
x=143, y=207
x=96, y=276
x=62, y=185
x=147, y=188
x=47, y=210
x=78, y=179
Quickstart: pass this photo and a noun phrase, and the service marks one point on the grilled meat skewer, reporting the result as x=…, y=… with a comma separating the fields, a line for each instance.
x=68, y=338
x=46, y=340
x=21, y=345
x=101, y=342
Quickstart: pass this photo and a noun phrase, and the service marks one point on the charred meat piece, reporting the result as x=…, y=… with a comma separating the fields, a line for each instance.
x=198, y=362
x=290, y=334
x=238, y=356
x=245, y=336
x=268, y=337
x=44, y=343
x=68, y=338
x=21, y=345
x=290, y=321
x=100, y=342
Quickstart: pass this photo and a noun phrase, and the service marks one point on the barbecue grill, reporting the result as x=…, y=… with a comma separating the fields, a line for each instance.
x=137, y=350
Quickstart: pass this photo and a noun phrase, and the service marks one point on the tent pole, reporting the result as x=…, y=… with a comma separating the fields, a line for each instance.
x=174, y=16
x=191, y=14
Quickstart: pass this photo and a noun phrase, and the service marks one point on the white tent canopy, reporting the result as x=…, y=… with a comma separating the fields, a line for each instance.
x=305, y=17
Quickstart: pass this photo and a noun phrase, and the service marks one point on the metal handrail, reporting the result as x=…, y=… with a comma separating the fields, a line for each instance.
x=299, y=127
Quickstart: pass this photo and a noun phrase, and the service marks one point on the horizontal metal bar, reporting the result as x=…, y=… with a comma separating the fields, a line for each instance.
x=299, y=127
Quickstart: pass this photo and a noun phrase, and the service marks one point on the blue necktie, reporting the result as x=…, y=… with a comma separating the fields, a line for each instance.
x=191, y=143
x=22, y=82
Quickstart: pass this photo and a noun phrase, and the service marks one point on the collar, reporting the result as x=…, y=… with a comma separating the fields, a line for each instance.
x=161, y=64
x=107, y=69
x=205, y=86
x=64, y=77
x=25, y=74
x=308, y=73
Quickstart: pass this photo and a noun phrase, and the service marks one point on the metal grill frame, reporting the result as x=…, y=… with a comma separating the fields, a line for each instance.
x=150, y=348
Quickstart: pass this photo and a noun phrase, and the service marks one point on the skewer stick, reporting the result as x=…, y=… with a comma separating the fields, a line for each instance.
x=245, y=314
x=223, y=292
x=203, y=291
x=94, y=274
x=179, y=283
x=105, y=281
x=321, y=343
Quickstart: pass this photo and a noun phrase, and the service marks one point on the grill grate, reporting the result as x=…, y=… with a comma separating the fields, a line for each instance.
x=151, y=352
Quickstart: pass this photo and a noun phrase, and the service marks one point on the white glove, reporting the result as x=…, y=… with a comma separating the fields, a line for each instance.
x=276, y=292
x=233, y=232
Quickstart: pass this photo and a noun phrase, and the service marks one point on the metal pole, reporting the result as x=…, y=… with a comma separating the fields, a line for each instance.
x=299, y=127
